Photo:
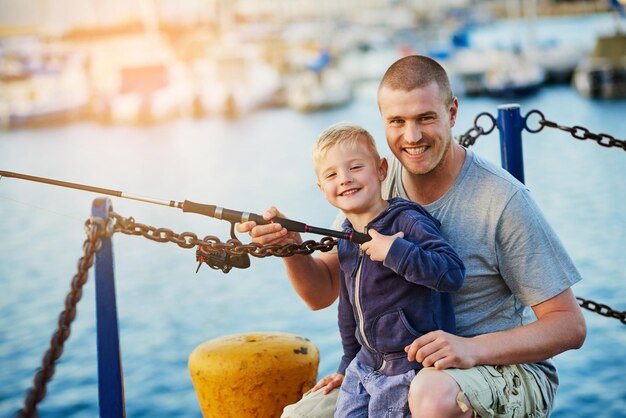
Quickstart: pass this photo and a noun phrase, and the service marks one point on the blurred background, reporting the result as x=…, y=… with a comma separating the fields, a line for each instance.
x=219, y=102
x=148, y=61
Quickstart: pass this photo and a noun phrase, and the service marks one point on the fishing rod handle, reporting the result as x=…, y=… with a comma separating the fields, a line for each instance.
x=291, y=225
x=237, y=216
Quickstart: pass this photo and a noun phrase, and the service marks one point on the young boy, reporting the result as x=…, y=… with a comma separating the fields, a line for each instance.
x=393, y=288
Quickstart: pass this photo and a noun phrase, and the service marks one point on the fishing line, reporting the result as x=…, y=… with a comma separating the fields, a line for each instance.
x=65, y=215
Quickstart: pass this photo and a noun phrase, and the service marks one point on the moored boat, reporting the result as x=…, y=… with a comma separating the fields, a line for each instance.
x=603, y=74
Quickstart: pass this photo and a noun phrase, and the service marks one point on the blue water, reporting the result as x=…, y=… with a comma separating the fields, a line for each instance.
x=166, y=310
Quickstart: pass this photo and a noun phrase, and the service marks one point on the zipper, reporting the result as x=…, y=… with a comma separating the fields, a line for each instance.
x=357, y=298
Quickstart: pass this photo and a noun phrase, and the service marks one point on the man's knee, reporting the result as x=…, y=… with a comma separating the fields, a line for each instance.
x=434, y=393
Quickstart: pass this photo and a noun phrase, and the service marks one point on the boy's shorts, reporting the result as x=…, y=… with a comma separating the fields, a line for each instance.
x=514, y=388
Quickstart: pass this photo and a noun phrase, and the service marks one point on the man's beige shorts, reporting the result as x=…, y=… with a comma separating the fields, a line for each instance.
x=500, y=391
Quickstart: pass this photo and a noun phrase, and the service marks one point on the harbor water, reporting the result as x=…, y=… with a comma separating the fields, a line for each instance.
x=166, y=310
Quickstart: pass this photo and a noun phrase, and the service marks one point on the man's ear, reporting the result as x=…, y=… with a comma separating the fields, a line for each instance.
x=454, y=108
x=382, y=170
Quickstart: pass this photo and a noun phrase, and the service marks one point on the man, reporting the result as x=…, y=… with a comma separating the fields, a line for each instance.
x=515, y=309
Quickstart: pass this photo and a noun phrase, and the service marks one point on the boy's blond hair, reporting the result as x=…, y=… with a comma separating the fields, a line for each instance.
x=343, y=133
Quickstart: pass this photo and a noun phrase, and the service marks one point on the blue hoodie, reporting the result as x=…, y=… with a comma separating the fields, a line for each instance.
x=384, y=307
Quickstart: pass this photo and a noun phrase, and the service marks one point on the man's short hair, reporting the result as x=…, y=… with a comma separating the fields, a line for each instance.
x=417, y=71
x=343, y=133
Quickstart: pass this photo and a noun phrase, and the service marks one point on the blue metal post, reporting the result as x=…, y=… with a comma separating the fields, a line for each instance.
x=510, y=125
x=110, y=377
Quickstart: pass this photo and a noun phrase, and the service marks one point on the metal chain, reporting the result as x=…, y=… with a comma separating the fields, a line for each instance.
x=96, y=228
x=578, y=132
x=602, y=309
x=469, y=138
x=212, y=243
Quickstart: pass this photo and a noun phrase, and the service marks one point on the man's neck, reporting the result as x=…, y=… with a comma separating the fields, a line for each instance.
x=427, y=188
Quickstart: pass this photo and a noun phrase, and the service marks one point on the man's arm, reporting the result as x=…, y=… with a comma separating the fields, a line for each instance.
x=560, y=326
x=315, y=279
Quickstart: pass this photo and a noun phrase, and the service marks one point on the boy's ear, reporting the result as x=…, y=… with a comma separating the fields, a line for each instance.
x=319, y=185
x=382, y=170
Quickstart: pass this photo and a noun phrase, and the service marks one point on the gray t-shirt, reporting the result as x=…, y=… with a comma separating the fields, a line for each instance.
x=512, y=256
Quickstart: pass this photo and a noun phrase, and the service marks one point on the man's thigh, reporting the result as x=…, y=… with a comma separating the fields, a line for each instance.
x=501, y=391
x=313, y=405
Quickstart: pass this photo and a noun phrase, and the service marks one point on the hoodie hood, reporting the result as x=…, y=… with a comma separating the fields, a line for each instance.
x=396, y=205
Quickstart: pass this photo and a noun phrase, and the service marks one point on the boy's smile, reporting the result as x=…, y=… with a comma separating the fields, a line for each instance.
x=350, y=177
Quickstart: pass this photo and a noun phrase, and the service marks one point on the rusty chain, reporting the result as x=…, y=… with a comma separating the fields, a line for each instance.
x=96, y=228
x=214, y=244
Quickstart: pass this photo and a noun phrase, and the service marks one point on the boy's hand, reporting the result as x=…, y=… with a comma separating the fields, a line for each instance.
x=380, y=244
x=329, y=383
x=270, y=234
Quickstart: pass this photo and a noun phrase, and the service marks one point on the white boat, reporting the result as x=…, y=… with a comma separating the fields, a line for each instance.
x=368, y=63
x=138, y=79
x=468, y=67
x=41, y=86
x=557, y=58
x=234, y=80
x=150, y=93
x=310, y=91
x=514, y=75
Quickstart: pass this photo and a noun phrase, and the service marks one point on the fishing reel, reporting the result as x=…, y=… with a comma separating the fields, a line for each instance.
x=219, y=260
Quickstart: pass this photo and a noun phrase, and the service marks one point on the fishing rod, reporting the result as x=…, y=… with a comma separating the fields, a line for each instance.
x=232, y=216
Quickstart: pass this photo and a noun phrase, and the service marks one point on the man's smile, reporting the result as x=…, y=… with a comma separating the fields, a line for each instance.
x=416, y=150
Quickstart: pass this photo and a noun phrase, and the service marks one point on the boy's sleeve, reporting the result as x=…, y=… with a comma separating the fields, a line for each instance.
x=347, y=329
x=424, y=257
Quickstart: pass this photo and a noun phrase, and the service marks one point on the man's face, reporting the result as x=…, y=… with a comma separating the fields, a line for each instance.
x=418, y=126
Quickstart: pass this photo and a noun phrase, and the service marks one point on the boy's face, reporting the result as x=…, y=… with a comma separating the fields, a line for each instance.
x=350, y=178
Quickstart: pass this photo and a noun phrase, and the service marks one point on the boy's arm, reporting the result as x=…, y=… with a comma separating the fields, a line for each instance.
x=315, y=279
x=422, y=256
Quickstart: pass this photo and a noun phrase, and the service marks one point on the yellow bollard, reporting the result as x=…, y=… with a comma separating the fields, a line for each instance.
x=252, y=375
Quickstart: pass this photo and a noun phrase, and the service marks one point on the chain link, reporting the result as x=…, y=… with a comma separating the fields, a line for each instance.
x=582, y=133
x=96, y=228
x=213, y=244
x=469, y=138
x=602, y=309
x=579, y=132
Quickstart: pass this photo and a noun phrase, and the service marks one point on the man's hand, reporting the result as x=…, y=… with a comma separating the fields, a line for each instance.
x=378, y=247
x=270, y=234
x=442, y=350
x=329, y=383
